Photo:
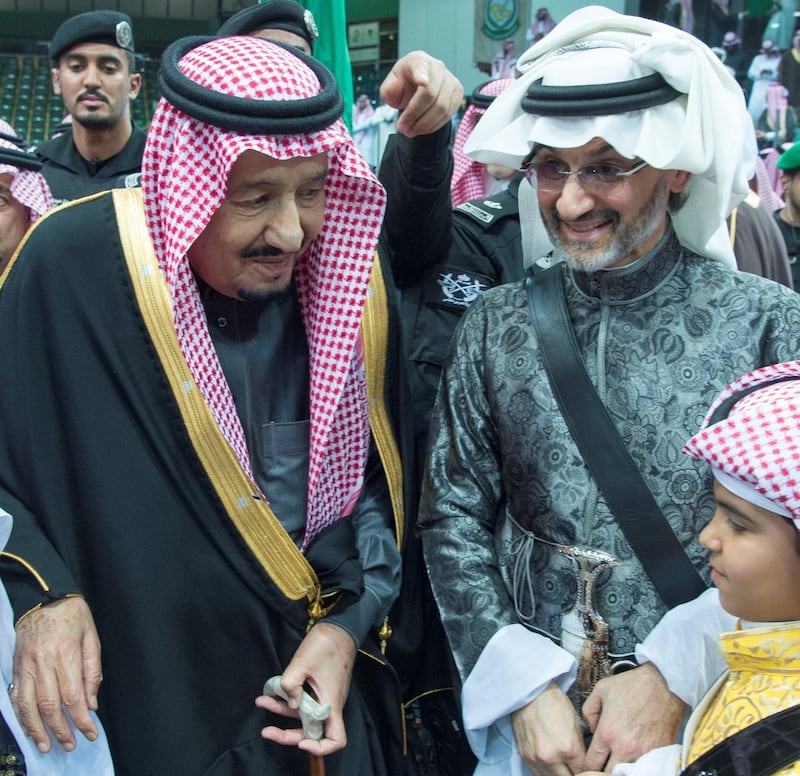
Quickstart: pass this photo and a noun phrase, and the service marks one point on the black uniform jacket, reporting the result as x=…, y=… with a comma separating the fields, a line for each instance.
x=442, y=258
x=70, y=176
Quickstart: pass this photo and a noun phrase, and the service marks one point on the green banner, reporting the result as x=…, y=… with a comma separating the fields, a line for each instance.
x=331, y=47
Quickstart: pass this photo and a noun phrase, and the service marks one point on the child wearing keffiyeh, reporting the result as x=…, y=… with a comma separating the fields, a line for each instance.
x=751, y=441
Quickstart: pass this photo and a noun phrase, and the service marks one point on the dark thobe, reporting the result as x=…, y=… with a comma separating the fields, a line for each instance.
x=758, y=244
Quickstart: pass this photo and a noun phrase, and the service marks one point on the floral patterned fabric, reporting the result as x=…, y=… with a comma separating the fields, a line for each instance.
x=660, y=339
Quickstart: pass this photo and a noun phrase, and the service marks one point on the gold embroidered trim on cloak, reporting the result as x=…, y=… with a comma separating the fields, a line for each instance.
x=29, y=568
x=255, y=521
x=375, y=334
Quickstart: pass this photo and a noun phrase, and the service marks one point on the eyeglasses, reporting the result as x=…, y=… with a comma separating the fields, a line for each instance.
x=551, y=174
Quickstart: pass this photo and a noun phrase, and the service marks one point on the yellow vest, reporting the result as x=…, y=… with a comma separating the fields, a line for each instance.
x=763, y=677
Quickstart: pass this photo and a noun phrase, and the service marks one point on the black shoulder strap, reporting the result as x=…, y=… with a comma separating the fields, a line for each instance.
x=763, y=748
x=616, y=473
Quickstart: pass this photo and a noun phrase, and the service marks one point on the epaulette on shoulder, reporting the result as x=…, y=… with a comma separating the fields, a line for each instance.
x=485, y=211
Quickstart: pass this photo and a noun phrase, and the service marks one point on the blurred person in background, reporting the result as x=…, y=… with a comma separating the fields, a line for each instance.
x=762, y=72
x=24, y=194
x=472, y=179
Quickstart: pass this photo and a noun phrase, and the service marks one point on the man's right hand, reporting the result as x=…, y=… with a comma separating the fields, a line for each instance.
x=549, y=734
x=630, y=713
x=324, y=660
x=57, y=672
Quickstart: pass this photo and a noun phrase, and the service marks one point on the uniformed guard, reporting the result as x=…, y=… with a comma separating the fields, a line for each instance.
x=94, y=73
x=283, y=20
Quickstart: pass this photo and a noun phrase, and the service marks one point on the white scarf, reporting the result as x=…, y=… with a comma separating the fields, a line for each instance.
x=706, y=131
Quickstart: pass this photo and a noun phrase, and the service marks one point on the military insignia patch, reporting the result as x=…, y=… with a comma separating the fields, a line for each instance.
x=476, y=212
x=459, y=290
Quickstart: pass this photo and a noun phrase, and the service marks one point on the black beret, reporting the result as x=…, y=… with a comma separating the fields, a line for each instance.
x=111, y=27
x=17, y=156
x=284, y=15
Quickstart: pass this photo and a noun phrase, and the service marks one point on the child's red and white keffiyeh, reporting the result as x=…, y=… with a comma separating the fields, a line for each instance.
x=754, y=449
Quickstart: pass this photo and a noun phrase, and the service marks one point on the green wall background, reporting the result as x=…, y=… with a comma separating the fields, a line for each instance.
x=367, y=10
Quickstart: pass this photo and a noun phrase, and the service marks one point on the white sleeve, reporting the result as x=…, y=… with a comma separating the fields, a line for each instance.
x=664, y=761
x=683, y=646
x=513, y=669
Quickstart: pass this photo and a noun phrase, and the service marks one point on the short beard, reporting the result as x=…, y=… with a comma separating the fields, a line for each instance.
x=625, y=240
x=569, y=252
x=273, y=295
x=96, y=121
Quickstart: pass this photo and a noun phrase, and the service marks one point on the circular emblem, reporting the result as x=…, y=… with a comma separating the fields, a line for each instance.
x=500, y=19
x=311, y=25
x=124, y=35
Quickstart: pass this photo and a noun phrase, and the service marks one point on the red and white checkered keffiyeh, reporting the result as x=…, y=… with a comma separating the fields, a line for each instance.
x=184, y=175
x=769, y=196
x=755, y=450
x=28, y=187
x=468, y=181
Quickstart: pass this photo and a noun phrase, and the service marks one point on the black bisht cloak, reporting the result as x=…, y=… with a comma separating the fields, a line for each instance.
x=111, y=499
